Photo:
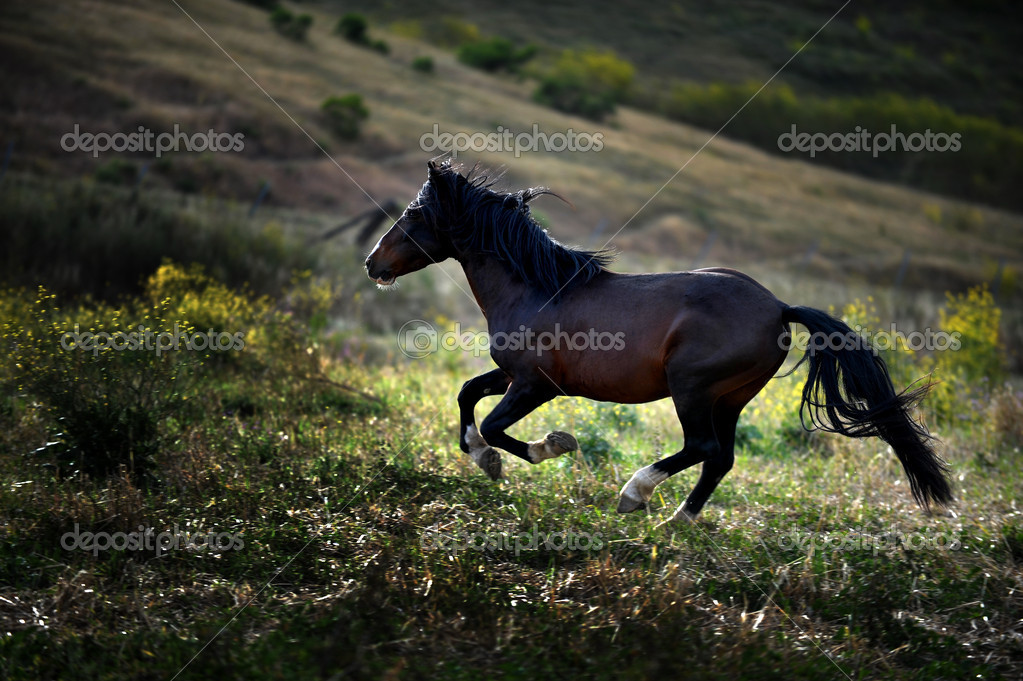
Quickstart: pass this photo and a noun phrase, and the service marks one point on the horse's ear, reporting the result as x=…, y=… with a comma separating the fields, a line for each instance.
x=439, y=183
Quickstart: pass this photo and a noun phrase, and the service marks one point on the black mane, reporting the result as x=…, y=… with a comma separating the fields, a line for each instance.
x=500, y=224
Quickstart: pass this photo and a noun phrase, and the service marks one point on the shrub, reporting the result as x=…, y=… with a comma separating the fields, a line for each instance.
x=964, y=373
x=495, y=54
x=291, y=25
x=587, y=83
x=423, y=64
x=970, y=371
x=988, y=165
x=105, y=405
x=354, y=28
x=345, y=114
x=107, y=378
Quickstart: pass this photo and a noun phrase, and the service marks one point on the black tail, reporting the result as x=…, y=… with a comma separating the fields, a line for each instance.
x=848, y=391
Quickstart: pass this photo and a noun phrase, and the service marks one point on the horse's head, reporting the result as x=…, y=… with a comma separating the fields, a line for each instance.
x=418, y=238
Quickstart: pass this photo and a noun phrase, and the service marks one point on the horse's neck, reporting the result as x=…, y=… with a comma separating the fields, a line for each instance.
x=499, y=294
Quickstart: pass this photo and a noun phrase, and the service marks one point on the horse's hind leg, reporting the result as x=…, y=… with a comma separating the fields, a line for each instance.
x=695, y=412
x=494, y=382
x=726, y=417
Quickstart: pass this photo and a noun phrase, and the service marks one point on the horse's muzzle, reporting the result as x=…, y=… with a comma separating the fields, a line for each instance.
x=383, y=277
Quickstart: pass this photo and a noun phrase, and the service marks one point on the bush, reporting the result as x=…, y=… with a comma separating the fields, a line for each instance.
x=354, y=28
x=105, y=405
x=291, y=25
x=965, y=373
x=587, y=83
x=423, y=64
x=988, y=165
x=108, y=378
x=345, y=114
x=495, y=54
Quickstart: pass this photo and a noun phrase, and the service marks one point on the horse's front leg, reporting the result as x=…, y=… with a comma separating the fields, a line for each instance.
x=519, y=401
x=494, y=382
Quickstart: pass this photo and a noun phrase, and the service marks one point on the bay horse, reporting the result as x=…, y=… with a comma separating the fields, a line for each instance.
x=710, y=339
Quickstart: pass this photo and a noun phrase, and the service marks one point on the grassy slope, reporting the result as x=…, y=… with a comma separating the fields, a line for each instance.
x=165, y=71
x=356, y=500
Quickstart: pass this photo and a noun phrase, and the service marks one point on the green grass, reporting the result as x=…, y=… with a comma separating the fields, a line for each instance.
x=370, y=545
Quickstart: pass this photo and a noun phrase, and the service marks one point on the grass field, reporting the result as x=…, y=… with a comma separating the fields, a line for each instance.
x=309, y=514
x=294, y=504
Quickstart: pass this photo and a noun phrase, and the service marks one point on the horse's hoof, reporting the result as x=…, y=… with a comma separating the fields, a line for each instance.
x=489, y=460
x=561, y=442
x=628, y=505
x=640, y=487
x=554, y=444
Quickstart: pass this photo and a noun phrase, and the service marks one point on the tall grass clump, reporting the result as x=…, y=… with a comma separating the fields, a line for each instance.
x=78, y=238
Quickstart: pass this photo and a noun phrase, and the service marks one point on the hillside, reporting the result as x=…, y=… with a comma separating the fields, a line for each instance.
x=73, y=63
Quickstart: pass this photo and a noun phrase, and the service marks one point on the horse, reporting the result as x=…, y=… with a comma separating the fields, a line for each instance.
x=710, y=339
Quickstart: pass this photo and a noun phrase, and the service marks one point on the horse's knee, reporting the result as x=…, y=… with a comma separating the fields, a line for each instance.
x=465, y=394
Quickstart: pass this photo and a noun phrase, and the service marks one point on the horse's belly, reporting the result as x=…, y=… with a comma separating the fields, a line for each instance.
x=618, y=381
